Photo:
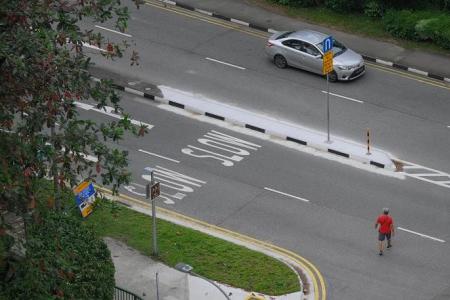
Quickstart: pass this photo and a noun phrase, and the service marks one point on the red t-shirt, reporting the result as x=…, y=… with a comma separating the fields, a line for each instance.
x=385, y=222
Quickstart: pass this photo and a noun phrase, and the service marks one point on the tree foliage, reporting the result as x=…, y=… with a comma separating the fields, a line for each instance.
x=43, y=76
x=65, y=260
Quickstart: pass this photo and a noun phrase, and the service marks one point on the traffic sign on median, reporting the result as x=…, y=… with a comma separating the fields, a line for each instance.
x=327, y=62
x=327, y=44
x=155, y=191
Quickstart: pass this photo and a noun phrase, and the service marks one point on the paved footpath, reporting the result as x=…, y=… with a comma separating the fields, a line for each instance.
x=259, y=15
x=137, y=273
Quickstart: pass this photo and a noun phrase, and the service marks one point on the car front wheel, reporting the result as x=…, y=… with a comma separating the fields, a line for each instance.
x=280, y=61
x=332, y=76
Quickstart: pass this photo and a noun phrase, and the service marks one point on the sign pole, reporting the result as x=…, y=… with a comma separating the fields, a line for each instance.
x=328, y=108
x=327, y=67
x=148, y=196
x=155, y=244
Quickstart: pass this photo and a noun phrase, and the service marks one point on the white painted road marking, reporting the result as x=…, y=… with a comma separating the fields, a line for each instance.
x=344, y=97
x=157, y=155
x=285, y=194
x=421, y=234
x=118, y=32
x=425, y=174
x=109, y=111
x=223, y=142
x=224, y=63
x=87, y=45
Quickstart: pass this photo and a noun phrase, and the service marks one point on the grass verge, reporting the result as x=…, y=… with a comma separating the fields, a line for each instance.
x=211, y=257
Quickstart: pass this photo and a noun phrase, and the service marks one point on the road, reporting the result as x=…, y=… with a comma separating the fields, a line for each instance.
x=275, y=192
x=408, y=114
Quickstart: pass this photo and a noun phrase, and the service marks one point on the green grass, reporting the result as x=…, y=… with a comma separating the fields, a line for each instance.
x=353, y=23
x=211, y=257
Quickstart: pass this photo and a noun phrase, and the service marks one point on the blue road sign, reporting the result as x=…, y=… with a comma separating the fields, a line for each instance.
x=84, y=191
x=327, y=44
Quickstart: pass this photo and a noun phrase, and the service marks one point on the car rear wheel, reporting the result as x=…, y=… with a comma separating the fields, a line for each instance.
x=333, y=76
x=280, y=61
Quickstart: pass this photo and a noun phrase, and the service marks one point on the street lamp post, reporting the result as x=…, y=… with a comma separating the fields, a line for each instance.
x=185, y=268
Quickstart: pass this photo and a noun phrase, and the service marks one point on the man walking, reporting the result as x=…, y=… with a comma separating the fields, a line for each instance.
x=385, y=230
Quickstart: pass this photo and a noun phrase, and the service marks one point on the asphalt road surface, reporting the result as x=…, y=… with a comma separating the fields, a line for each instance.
x=274, y=191
x=408, y=115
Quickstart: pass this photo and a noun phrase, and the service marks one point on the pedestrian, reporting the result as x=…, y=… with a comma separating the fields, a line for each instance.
x=385, y=230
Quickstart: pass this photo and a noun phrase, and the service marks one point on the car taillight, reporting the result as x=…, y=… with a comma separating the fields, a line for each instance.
x=269, y=44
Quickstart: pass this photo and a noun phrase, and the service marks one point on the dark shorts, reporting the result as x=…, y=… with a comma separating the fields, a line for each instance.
x=382, y=236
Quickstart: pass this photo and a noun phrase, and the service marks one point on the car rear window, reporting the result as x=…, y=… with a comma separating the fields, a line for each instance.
x=286, y=34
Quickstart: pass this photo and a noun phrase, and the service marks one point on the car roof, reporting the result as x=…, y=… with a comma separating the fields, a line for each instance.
x=310, y=36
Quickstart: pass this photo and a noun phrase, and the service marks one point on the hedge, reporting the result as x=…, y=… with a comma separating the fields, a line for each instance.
x=64, y=261
x=419, y=25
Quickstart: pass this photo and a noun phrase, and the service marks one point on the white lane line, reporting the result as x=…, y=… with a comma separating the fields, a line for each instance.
x=421, y=234
x=109, y=111
x=118, y=32
x=87, y=45
x=157, y=155
x=138, y=185
x=285, y=194
x=347, y=98
x=448, y=126
x=427, y=175
x=224, y=63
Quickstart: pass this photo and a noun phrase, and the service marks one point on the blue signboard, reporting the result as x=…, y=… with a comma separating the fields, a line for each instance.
x=84, y=192
x=327, y=44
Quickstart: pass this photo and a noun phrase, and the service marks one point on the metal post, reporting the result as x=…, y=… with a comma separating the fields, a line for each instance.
x=368, y=141
x=148, y=196
x=328, y=109
x=155, y=244
x=213, y=283
x=157, y=286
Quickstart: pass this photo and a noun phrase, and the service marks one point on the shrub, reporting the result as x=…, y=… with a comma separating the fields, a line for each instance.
x=373, y=9
x=436, y=29
x=64, y=260
x=403, y=23
x=300, y=3
x=344, y=5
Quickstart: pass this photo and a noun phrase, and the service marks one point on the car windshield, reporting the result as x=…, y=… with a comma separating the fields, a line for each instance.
x=283, y=35
x=338, y=48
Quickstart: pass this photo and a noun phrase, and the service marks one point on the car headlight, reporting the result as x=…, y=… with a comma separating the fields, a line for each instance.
x=345, y=67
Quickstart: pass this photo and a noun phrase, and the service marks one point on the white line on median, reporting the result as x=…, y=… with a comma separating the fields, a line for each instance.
x=285, y=194
x=87, y=45
x=421, y=234
x=224, y=63
x=157, y=155
x=118, y=32
x=109, y=111
x=347, y=98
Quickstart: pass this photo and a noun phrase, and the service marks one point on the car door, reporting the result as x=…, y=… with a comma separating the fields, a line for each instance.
x=311, y=57
x=292, y=52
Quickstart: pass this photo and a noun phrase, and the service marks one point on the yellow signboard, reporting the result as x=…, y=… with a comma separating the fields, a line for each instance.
x=327, y=62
